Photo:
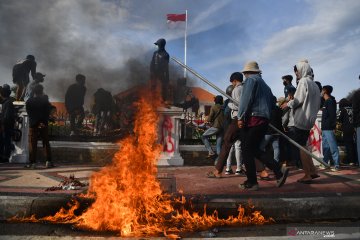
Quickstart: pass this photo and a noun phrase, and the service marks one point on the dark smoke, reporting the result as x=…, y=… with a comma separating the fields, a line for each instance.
x=70, y=37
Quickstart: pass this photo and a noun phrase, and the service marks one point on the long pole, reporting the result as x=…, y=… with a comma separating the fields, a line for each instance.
x=235, y=101
x=185, y=43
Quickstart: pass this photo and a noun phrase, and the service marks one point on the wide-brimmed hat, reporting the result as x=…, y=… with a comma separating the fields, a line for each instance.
x=251, y=66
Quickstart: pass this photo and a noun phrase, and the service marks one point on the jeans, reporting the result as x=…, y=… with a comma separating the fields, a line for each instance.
x=330, y=148
x=274, y=139
x=358, y=143
x=206, y=136
x=76, y=118
x=236, y=147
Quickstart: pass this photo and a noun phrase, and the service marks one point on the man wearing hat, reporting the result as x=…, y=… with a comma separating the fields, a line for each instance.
x=328, y=125
x=7, y=123
x=159, y=70
x=39, y=78
x=20, y=74
x=253, y=116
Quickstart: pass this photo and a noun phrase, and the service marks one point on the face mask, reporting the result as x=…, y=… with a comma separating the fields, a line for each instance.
x=284, y=83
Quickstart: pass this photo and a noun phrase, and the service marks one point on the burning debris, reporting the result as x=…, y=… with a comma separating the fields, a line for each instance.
x=69, y=183
x=126, y=195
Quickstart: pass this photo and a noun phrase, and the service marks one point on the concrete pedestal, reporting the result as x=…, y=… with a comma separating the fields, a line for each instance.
x=169, y=135
x=21, y=152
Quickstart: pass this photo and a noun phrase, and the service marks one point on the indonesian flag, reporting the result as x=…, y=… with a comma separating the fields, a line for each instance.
x=176, y=17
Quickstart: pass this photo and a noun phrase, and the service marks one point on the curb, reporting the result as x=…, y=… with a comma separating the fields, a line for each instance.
x=280, y=209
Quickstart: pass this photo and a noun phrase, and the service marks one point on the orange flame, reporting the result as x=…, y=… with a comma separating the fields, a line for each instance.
x=128, y=198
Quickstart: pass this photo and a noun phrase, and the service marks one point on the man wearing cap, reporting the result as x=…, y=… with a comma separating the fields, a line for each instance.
x=304, y=108
x=328, y=125
x=356, y=119
x=256, y=104
x=39, y=78
x=20, y=74
x=159, y=70
x=288, y=87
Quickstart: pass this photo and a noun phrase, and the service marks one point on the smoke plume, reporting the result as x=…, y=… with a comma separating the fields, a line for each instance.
x=70, y=37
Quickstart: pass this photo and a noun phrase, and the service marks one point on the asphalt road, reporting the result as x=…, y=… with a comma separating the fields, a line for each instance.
x=345, y=229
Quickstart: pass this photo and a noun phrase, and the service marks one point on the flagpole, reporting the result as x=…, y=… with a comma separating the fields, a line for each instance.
x=185, y=43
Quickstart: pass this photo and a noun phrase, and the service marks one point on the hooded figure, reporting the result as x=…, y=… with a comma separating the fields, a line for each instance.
x=159, y=69
x=20, y=74
x=306, y=102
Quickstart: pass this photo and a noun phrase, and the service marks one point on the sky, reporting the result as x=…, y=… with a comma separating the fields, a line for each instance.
x=111, y=41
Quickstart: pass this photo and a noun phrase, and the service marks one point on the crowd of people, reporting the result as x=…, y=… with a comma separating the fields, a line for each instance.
x=254, y=124
x=39, y=109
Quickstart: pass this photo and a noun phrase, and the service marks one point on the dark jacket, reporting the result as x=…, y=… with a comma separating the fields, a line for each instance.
x=216, y=116
x=8, y=113
x=289, y=88
x=38, y=109
x=22, y=69
x=159, y=66
x=356, y=108
x=328, y=119
x=275, y=120
x=346, y=120
x=74, y=97
x=103, y=101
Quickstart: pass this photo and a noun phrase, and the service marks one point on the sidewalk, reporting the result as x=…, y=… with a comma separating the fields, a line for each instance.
x=335, y=195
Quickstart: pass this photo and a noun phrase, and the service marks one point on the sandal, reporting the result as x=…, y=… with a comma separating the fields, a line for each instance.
x=304, y=181
x=213, y=175
x=267, y=178
x=313, y=176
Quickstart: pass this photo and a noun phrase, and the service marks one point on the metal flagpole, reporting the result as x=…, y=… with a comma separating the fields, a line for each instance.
x=235, y=101
x=185, y=44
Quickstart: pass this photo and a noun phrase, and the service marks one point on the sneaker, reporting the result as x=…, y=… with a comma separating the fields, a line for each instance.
x=240, y=172
x=49, y=164
x=282, y=180
x=249, y=186
x=335, y=169
x=30, y=166
x=322, y=167
x=229, y=172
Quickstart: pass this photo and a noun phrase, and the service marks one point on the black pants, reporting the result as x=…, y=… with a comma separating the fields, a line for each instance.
x=76, y=118
x=250, y=146
x=34, y=134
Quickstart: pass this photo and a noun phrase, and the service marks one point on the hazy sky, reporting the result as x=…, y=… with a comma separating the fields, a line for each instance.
x=111, y=41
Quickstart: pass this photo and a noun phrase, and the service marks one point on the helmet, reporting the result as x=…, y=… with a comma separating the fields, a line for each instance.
x=160, y=42
x=229, y=90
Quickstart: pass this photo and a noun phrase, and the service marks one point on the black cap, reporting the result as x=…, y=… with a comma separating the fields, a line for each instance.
x=30, y=57
x=160, y=42
x=287, y=77
x=236, y=76
x=219, y=99
x=328, y=89
x=5, y=91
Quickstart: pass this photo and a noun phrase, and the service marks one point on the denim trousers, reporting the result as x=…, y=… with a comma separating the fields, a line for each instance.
x=208, y=134
x=274, y=140
x=330, y=147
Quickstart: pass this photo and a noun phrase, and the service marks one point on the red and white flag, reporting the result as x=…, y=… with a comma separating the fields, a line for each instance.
x=176, y=17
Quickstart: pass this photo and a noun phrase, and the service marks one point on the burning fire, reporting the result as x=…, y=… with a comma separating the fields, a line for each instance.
x=127, y=196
